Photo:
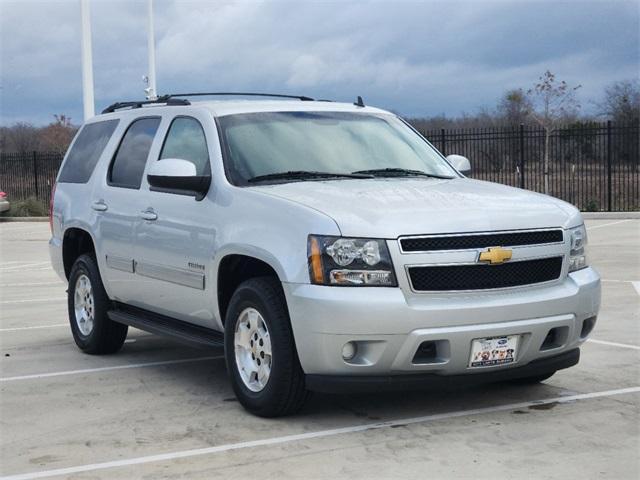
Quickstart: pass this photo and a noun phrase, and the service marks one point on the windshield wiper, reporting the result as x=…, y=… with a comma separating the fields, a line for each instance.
x=306, y=174
x=399, y=172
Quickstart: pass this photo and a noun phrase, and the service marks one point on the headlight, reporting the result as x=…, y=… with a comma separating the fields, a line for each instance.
x=578, y=253
x=350, y=261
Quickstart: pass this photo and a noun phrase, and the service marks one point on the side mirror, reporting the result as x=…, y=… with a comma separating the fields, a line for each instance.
x=460, y=163
x=174, y=175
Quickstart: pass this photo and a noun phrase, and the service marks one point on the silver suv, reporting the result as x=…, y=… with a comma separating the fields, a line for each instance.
x=328, y=246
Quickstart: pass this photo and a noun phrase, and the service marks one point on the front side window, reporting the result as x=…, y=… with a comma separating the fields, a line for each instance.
x=86, y=151
x=266, y=143
x=130, y=159
x=186, y=141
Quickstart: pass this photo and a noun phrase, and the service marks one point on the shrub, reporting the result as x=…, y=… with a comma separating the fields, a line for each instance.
x=592, y=206
x=29, y=207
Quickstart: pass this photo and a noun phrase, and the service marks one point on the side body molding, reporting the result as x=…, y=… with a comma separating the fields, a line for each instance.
x=159, y=272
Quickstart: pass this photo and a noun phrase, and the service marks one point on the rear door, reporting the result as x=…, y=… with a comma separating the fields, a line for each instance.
x=174, y=245
x=118, y=206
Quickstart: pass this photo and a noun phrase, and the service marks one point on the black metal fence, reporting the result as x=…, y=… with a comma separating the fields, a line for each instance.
x=30, y=174
x=595, y=166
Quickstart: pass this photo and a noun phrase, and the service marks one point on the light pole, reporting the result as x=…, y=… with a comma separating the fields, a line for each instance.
x=151, y=90
x=87, y=61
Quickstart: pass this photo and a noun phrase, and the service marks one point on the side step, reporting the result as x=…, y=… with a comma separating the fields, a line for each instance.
x=167, y=326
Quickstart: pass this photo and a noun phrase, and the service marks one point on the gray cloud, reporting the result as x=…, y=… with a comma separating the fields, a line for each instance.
x=417, y=58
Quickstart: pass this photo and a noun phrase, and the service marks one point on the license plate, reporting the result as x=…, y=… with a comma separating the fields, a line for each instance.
x=487, y=352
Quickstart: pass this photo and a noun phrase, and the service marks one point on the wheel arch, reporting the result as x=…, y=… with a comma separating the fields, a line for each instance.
x=75, y=242
x=235, y=268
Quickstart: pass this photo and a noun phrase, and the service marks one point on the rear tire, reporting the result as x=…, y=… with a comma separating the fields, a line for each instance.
x=88, y=304
x=532, y=380
x=258, y=330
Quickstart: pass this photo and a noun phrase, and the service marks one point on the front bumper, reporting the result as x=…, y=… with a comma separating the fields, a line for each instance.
x=431, y=381
x=389, y=325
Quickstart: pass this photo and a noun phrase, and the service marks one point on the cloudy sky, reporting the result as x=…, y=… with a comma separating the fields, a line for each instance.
x=418, y=58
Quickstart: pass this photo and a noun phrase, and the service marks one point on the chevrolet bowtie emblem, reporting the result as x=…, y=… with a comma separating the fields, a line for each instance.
x=495, y=255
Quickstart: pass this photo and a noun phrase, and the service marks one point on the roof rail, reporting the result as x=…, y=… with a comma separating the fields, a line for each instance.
x=170, y=99
x=166, y=99
x=240, y=94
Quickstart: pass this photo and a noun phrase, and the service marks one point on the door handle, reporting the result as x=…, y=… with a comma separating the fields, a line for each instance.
x=149, y=215
x=99, y=206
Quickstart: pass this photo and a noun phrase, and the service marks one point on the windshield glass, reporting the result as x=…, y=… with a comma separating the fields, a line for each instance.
x=265, y=143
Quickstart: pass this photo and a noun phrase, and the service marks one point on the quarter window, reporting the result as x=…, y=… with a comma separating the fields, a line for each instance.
x=186, y=141
x=131, y=157
x=86, y=151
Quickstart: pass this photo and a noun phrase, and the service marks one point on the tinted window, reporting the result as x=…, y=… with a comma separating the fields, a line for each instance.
x=186, y=141
x=131, y=157
x=86, y=151
x=336, y=142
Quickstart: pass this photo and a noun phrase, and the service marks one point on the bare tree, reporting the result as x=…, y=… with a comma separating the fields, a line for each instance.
x=621, y=102
x=553, y=102
x=57, y=135
x=514, y=107
x=21, y=137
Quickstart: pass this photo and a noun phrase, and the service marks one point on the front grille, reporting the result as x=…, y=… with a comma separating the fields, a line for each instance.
x=483, y=240
x=482, y=276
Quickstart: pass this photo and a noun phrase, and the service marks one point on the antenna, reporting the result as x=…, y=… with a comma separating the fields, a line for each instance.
x=359, y=102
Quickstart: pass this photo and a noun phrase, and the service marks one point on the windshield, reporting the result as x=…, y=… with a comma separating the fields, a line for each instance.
x=266, y=143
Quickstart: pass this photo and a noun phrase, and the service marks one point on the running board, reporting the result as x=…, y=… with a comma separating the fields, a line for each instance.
x=167, y=326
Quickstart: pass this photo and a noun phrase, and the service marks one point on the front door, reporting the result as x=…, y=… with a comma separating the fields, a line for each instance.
x=174, y=244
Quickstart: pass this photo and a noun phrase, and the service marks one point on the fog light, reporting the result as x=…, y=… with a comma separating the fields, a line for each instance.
x=587, y=327
x=349, y=350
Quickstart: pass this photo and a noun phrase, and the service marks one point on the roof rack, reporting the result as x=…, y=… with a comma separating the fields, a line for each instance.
x=170, y=99
x=241, y=94
x=166, y=99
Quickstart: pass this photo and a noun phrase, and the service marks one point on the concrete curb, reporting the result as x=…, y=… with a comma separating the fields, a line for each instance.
x=610, y=215
x=24, y=219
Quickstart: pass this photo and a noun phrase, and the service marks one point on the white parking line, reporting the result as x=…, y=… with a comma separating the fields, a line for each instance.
x=614, y=344
x=22, y=266
x=634, y=284
x=34, y=300
x=106, y=369
x=313, y=435
x=34, y=284
x=25, y=269
x=36, y=327
x=608, y=224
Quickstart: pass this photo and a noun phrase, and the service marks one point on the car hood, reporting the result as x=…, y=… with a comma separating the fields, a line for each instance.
x=392, y=207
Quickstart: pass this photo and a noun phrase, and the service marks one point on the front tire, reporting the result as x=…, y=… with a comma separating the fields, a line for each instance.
x=88, y=304
x=260, y=351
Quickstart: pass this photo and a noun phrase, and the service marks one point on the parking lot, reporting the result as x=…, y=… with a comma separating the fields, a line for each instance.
x=159, y=409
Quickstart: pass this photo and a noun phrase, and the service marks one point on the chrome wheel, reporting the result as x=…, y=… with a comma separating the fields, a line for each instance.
x=252, y=349
x=83, y=305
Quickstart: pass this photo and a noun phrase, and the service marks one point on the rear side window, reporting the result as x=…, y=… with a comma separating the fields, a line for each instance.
x=131, y=157
x=86, y=151
x=185, y=140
